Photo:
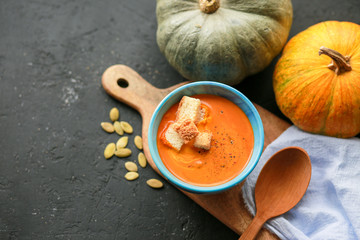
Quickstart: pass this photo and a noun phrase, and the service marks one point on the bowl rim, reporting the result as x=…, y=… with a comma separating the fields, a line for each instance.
x=254, y=159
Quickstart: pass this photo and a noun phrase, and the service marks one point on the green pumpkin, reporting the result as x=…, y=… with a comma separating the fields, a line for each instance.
x=222, y=41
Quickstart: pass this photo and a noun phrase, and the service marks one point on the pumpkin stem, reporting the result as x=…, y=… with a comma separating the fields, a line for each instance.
x=339, y=63
x=209, y=6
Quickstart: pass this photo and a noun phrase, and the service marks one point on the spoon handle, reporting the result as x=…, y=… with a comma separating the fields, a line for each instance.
x=253, y=229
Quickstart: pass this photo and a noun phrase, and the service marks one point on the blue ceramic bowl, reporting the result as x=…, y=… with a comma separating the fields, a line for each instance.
x=214, y=88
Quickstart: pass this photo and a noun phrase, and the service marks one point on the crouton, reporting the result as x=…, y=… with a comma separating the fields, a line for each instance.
x=186, y=129
x=204, y=114
x=173, y=138
x=203, y=140
x=189, y=108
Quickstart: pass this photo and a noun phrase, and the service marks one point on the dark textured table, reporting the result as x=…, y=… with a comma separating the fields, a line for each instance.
x=54, y=180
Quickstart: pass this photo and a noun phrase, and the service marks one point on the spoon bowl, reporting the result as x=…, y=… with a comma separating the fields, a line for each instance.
x=280, y=186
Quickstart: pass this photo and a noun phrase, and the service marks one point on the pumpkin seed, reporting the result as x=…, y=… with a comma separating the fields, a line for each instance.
x=130, y=176
x=142, y=160
x=131, y=167
x=122, y=142
x=123, y=152
x=114, y=114
x=118, y=129
x=126, y=127
x=154, y=183
x=138, y=142
x=109, y=150
x=108, y=127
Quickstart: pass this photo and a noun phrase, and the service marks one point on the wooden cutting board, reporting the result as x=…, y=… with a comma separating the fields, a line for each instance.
x=127, y=86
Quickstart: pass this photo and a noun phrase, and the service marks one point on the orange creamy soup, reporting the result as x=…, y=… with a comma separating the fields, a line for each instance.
x=231, y=144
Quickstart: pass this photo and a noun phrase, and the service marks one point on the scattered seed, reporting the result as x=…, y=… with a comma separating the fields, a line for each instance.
x=126, y=127
x=131, y=167
x=122, y=142
x=154, y=183
x=109, y=150
x=114, y=114
x=123, y=152
x=118, y=129
x=142, y=160
x=130, y=176
x=138, y=142
x=108, y=127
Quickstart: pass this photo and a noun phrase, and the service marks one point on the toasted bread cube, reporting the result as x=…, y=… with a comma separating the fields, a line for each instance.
x=189, y=108
x=203, y=140
x=204, y=113
x=173, y=138
x=186, y=129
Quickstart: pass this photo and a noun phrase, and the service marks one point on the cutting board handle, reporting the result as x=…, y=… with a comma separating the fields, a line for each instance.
x=127, y=86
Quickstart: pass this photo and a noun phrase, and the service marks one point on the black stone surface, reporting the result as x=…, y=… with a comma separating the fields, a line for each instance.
x=54, y=180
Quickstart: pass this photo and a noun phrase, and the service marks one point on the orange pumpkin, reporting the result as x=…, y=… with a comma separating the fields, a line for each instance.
x=317, y=79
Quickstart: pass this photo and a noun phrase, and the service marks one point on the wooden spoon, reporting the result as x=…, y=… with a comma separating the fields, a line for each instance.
x=281, y=184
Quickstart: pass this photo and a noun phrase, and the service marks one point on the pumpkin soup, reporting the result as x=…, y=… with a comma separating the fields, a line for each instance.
x=231, y=144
